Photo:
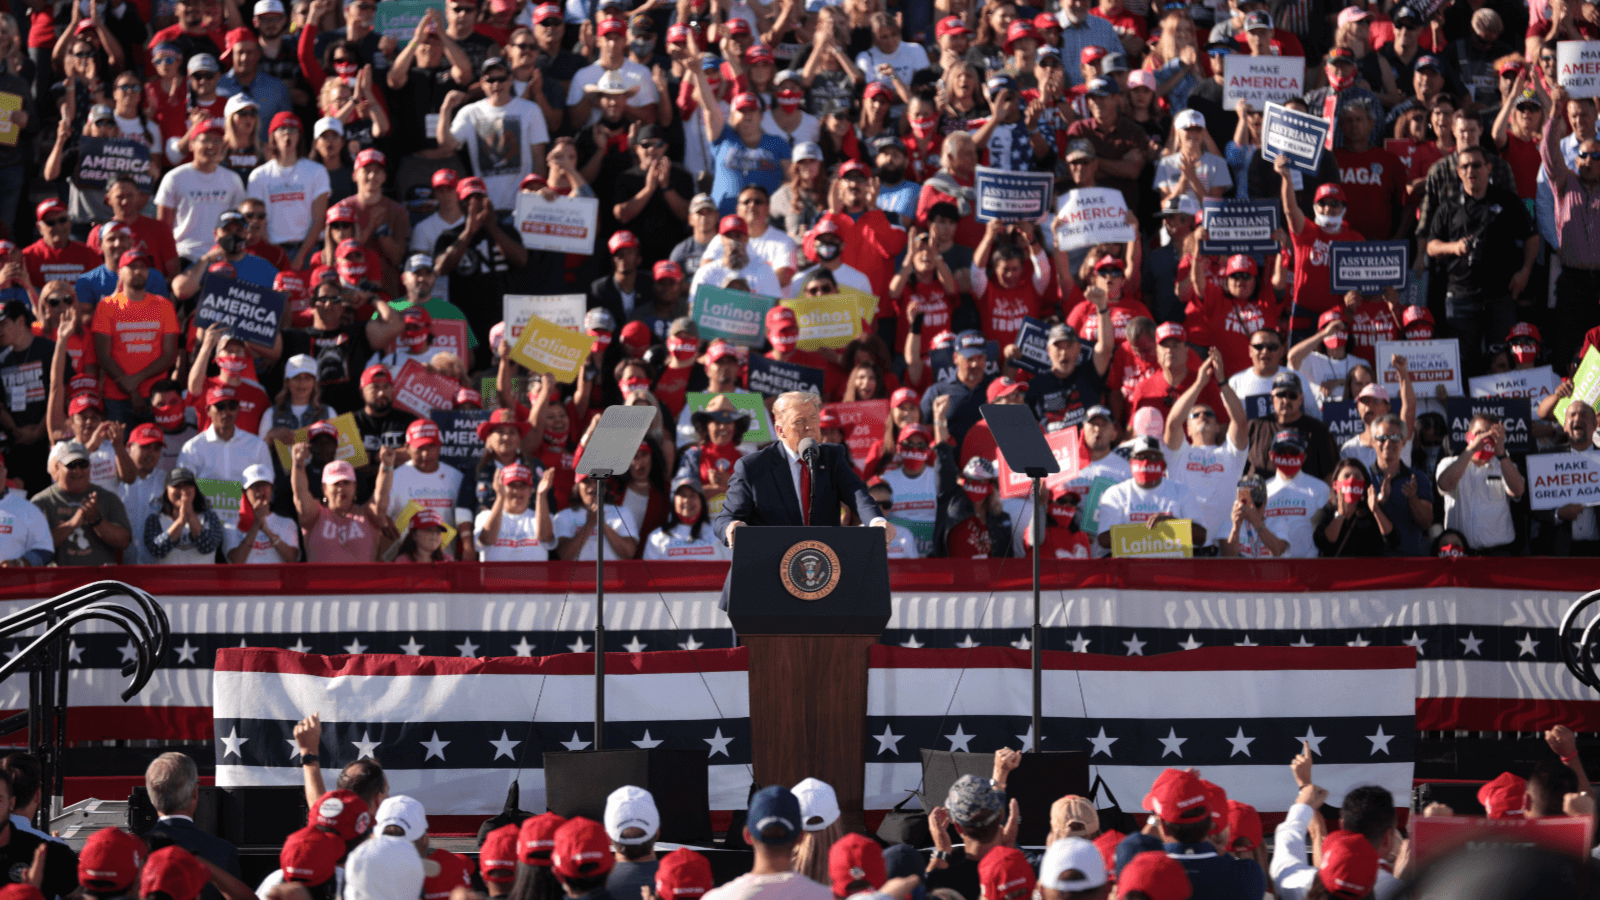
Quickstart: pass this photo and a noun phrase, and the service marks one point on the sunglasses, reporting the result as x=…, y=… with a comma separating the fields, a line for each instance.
x=226, y=406
x=524, y=45
x=1589, y=154
x=1388, y=438
x=652, y=144
x=253, y=216
x=1266, y=348
x=341, y=225
x=1546, y=59
x=83, y=54
x=342, y=59
x=1202, y=414
x=59, y=220
x=166, y=60
x=1240, y=276
x=59, y=300
x=498, y=79
x=128, y=88
x=78, y=464
x=1287, y=395
x=202, y=76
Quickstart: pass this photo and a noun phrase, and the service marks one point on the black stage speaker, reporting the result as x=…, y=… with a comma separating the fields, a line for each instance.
x=576, y=783
x=240, y=815
x=1038, y=782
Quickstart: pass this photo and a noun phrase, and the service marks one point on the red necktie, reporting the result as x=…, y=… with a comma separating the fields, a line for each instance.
x=805, y=493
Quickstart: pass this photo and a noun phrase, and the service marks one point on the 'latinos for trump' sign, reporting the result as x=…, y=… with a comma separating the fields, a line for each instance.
x=1259, y=80
x=251, y=311
x=1578, y=67
x=1013, y=196
x=547, y=347
x=1239, y=226
x=420, y=390
x=1092, y=216
x=1367, y=267
x=734, y=316
x=1297, y=135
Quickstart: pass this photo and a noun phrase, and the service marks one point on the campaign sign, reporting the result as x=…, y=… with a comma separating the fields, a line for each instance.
x=458, y=436
x=1367, y=267
x=1436, y=836
x=1258, y=80
x=1585, y=383
x=830, y=321
x=1557, y=479
x=760, y=430
x=566, y=310
x=1297, y=135
x=402, y=524
x=398, y=18
x=562, y=225
x=224, y=497
x=10, y=131
x=1578, y=67
x=351, y=449
x=1033, y=348
x=1239, y=226
x=1257, y=406
x=1513, y=412
x=100, y=160
x=1172, y=539
x=1092, y=216
x=863, y=423
x=734, y=316
x=420, y=390
x=1013, y=196
x=1535, y=384
x=1343, y=419
x=943, y=362
x=1431, y=362
x=248, y=310
x=772, y=377
x=451, y=336
x=1068, y=450
x=547, y=347
x=1089, y=508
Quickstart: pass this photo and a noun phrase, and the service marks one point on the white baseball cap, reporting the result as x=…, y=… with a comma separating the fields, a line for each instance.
x=264, y=7
x=299, y=364
x=1073, y=854
x=325, y=125
x=256, y=474
x=238, y=102
x=1189, y=118
x=383, y=868
x=405, y=812
x=819, y=805
x=632, y=807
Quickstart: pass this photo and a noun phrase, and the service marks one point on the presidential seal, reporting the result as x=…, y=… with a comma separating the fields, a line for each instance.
x=810, y=570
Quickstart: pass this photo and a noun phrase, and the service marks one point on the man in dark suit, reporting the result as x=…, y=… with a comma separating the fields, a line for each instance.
x=766, y=485
x=173, y=781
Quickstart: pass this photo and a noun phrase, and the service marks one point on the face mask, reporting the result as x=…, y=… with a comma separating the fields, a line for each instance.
x=555, y=437
x=1288, y=464
x=976, y=491
x=924, y=127
x=1486, y=452
x=1335, y=341
x=827, y=251
x=1329, y=223
x=168, y=416
x=1147, y=473
x=713, y=81
x=1350, y=491
x=346, y=69
x=789, y=102
x=1524, y=353
x=1451, y=551
x=1063, y=511
x=915, y=456
x=684, y=349
x=784, y=343
x=351, y=272
x=602, y=340
x=230, y=243
x=641, y=48
x=233, y=365
x=1419, y=333
x=1339, y=81
x=635, y=385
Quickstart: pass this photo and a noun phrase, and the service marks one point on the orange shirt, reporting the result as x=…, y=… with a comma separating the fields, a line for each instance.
x=136, y=331
x=80, y=347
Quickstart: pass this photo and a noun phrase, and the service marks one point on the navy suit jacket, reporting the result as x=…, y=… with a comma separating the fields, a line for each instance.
x=188, y=835
x=761, y=491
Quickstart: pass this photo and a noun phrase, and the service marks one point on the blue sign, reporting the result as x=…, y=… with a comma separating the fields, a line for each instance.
x=772, y=377
x=250, y=311
x=1514, y=412
x=1239, y=226
x=1343, y=420
x=1033, y=347
x=1367, y=267
x=1257, y=406
x=1297, y=135
x=1013, y=196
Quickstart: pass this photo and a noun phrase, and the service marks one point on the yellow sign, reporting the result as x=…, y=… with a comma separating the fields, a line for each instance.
x=9, y=132
x=403, y=521
x=1172, y=539
x=831, y=321
x=865, y=303
x=350, y=450
x=545, y=346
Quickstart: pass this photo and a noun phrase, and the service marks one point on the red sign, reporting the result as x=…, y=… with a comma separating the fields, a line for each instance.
x=419, y=390
x=450, y=335
x=1068, y=451
x=863, y=422
x=1434, y=836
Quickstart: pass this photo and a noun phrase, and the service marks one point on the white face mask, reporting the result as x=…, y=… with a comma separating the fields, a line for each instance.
x=1329, y=223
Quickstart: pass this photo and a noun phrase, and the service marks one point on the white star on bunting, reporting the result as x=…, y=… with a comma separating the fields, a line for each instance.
x=575, y=743
x=1416, y=642
x=1241, y=744
x=645, y=743
x=578, y=646
x=411, y=647
x=468, y=649
x=435, y=747
x=1471, y=643
x=232, y=743
x=1526, y=646
x=1191, y=643
x=522, y=646
x=1380, y=741
x=1310, y=737
x=1023, y=643
x=504, y=746
x=186, y=652
x=1135, y=646
x=1080, y=644
x=960, y=740
x=635, y=645
x=1172, y=743
x=888, y=742
x=366, y=746
x=719, y=744
x=690, y=644
x=354, y=647
x=911, y=642
x=1102, y=744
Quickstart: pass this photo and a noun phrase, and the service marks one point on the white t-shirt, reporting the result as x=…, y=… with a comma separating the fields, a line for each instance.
x=140, y=499
x=676, y=543
x=1318, y=367
x=208, y=456
x=569, y=522
x=199, y=200
x=1290, y=505
x=903, y=545
x=906, y=60
x=1211, y=475
x=781, y=886
x=915, y=500
x=1111, y=466
x=103, y=467
x=1212, y=171
x=424, y=236
x=1246, y=383
x=518, y=540
x=500, y=141
x=148, y=135
x=1480, y=505
x=289, y=194
x=435, y=490
x=809, y=129
x=846, y=276
x=23, y=526
x=261, y=549
x=1127, y=503
x=774, y=247
x=757, y=273
x=631, y=72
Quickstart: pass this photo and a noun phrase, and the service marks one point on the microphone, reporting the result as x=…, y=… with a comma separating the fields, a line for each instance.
x=808, y=450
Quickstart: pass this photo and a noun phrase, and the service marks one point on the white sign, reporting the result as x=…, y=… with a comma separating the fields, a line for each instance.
x=1092, y=216
x=1260, y=79
x=1431, y=362
x=1535, y=384
x=562, y=225
x=1578, y=67
x=1557, y=479
x=565, y=310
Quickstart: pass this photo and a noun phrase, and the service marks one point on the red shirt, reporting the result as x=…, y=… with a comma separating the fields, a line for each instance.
x=1523, y=158
x=935, y=306
x=1060, y=542
x=46, y=263
x=922, y=164
x=272, y=253
x=1124, y=23
x=1127, y=370
x=1313, y=293
x=156, y=238
x=871, y=244
x=968, y=539
x=1155, y=391
x=1001, y=310
x=1227, y=322
x=168, y=110
x=671, y=387
x=253, y=403
x=1086, y=321
x=1374, y=187
x=1373, y=322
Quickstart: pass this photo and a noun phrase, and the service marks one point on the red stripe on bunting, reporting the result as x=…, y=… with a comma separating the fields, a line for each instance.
x=662, y=662
x=1204, y=659
x=1505, y=714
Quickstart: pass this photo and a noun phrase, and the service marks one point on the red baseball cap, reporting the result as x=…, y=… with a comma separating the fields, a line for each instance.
x=377, y=372
x=720, y=350
x=1156, y=875
x=950, y=25
x=731, y=224
x=501, y=417
x=237, y=36
x=667, y=270
x=757, y=53
x=319, y=429
x=370, y=157
x=915, y=429
x=1239, y=263
x=290, y=282
x=310, y=856
x=421, y=433
x=636, y=336
x=903, y=395
x=427, y=517
x=830, y=419
x=582, y=849
x=1524, y=330
x=1178, y=797
x=1414, y=314
x=1217, y=802
x=1046, y=20
x=852, y=167
x=516, y=472
x=497, y=858
x=469, y=397
x=683, y=874
x=853, y=859
x=737, y=26
x=1002, y=387
x=147, y=433
x=537, y=838
x=340, y=212
x=47, y=207
x=470, y=185
x=445, y=178
x=746, y=100
x=1327, y=191
x=612, y=26
x=218, y=393
x=546, y=11
x=621, y=241
x=1502, y=798
x=1110, y=262
x=1349, y=865
x=175, y=872
x=677, y=34
x=134, y=257
x=1021, y=28
x=340, y=812
x=1004, y=874
x=779, y=316
x=1244, y=824
x=1332, y=315
x=83, y=401
x=1168, y=330
x=110, y=860
x=455, y=871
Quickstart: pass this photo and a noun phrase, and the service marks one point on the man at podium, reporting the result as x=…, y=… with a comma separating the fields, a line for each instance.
x=769, y=486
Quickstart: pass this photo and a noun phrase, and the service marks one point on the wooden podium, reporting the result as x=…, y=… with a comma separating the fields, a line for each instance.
x=809, y=603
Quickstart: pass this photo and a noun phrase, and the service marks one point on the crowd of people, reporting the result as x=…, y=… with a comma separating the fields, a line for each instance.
x=371, y=174
x=1189, y=842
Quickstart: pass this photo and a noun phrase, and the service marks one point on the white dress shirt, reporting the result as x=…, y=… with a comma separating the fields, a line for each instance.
x=795, y=463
